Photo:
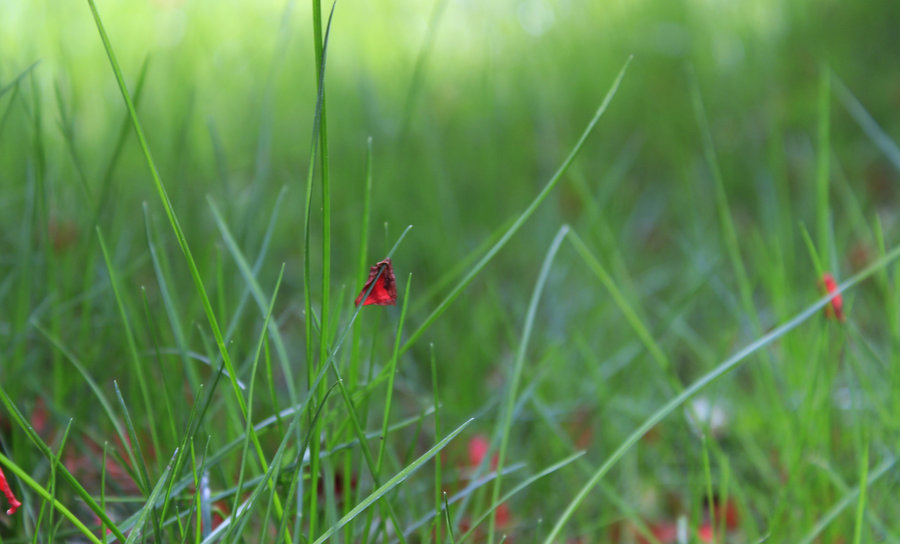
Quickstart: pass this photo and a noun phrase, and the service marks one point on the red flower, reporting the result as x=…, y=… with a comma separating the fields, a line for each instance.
x=383, y=293
x=836, y=307
x=478, y=448
x=14, y=503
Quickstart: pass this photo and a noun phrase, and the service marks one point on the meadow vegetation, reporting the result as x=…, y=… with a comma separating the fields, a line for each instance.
x=610, y=225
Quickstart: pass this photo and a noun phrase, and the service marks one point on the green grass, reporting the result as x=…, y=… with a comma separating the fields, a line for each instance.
x=604, y=220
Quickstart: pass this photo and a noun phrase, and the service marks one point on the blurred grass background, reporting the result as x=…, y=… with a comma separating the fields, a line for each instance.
x=471, y=107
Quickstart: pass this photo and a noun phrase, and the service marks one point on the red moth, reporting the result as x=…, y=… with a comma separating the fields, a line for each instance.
x=836, y=306
x=384, y=292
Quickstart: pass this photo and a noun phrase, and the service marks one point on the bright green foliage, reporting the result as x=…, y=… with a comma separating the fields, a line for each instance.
x=608, y=221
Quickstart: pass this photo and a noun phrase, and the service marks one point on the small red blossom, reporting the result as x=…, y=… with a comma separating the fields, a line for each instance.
x=478, y=448
x=664, y=532
x=728, y=513
x=503, y=515
x=384, y=292
x=14, y=503
x=836, y=308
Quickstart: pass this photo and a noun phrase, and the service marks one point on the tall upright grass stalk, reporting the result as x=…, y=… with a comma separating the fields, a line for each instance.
x=863, y=485
x=436, y=526
x=362, y=260
x=319, y=138
x=52, y=485
x=362, y=267
x=330, y=362
x=764, y=372
x=823, y=163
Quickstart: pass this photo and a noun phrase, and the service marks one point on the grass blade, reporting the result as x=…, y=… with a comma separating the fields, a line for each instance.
x=519, y=365
x=9, y=86
x=861, y=505
x=823, y=162
x=390, y=484
x=875, y=133
x=253, y=287
x=512, y=492
x=150, y=505
x=846, y=501
x=136, y=363
x=521, y=219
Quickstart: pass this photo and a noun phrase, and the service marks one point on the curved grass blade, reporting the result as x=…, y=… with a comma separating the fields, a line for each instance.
x=18, y=78
x=872, y=517
x=415, y=82
x=875, y=133
x=520, y=220
x=163, y=278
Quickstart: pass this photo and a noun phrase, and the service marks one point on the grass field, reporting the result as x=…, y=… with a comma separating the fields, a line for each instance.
x=612, y=227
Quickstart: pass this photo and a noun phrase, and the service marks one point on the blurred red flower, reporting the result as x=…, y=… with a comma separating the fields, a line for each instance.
x=478, y=448
x=14, y=503
x=836, y=308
